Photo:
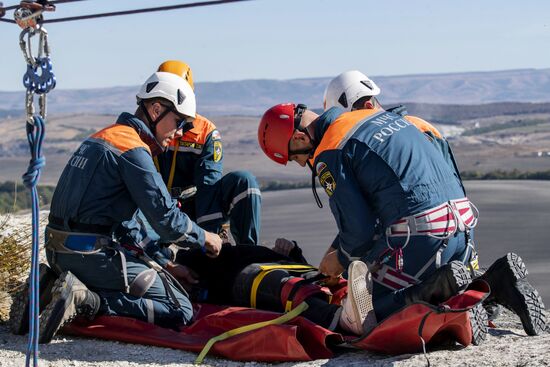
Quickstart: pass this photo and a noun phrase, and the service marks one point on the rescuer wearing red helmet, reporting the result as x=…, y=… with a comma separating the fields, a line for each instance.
x=397, y=204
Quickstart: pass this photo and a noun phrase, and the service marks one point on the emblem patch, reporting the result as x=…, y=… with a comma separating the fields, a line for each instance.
x=320, y=167
x=217, y=151
x=216, y=135
x=327, y=181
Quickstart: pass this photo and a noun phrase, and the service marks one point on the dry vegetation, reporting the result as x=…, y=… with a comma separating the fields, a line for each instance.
x=15, y=254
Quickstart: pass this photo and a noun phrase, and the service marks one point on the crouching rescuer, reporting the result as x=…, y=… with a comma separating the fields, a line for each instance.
x=92, y=242
x=398, y=207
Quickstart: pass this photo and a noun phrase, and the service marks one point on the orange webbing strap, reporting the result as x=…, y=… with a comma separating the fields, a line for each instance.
x=243, y=329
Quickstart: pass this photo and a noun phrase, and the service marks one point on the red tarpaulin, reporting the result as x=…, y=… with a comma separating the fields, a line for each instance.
x=297, y=340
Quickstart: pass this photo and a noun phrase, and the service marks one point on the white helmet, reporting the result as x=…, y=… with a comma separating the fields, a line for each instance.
x=348, y=87
x=171, y=87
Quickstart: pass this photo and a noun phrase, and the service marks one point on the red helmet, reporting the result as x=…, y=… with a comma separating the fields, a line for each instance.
x=276, y=128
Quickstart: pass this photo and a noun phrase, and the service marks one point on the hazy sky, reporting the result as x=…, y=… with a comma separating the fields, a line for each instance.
x=286, y=39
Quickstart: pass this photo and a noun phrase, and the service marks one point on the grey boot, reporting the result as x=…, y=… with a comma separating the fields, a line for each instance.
x=444, y=283
x=506, y=277
x=19, y=312
x=70, y=298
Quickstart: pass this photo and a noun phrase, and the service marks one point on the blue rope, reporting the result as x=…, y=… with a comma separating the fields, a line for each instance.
x=35, y=136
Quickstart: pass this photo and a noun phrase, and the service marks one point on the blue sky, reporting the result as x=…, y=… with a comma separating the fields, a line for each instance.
x=285, y=39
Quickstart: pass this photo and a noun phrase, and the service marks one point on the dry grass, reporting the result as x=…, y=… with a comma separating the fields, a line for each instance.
x=15, y=254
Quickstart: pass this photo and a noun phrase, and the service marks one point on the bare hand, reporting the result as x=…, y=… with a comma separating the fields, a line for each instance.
x=212, y=244
x=283, y=246
x=330, y=265
x=186, y=276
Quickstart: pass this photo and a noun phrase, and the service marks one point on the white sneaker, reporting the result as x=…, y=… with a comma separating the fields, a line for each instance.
x=357, y=314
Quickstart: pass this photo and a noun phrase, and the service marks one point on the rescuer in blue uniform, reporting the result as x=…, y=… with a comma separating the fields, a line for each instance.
x=192, y=168
x=102, y=268
x=397, y=203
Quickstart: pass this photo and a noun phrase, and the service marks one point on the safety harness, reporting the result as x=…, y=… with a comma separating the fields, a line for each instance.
x=441, y=222
x=63, y=242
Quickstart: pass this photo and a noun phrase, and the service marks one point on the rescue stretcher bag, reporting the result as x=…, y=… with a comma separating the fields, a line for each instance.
x=405, y=330
x=298, y=340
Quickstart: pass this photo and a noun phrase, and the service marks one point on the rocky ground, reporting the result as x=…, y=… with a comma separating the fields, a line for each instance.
x=507, y=345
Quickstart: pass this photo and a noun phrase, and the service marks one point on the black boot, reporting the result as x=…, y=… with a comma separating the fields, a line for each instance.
x=19, y=312
x=479, y=323
x=70, y=298
x=444, y=283
x=506, y=277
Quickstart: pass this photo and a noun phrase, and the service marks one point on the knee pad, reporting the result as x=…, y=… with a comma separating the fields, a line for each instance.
x=142, y=282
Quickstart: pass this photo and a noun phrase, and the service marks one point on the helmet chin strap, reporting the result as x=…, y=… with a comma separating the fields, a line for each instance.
x=153, y=124
x=299, y=110
x=310, y=151
x=313, y=186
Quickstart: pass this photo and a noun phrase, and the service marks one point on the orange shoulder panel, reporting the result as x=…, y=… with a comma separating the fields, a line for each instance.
x=201, y=128
x=424, y=126
x=340, y=127
x=121, y=137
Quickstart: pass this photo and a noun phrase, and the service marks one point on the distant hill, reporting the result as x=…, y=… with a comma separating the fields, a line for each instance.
x=252, y=97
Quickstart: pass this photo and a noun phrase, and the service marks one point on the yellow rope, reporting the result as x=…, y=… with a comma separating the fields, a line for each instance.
x=243, y=329
x=173, y=167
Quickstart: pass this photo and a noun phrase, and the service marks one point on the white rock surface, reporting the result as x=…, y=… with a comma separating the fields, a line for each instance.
x=507, y=345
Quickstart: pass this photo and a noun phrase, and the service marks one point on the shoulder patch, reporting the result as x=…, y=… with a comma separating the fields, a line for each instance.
x=216, y=135
x=217, y=151
x=327, y=181
x=320, y=167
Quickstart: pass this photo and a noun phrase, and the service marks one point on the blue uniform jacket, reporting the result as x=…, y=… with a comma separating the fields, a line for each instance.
x=376, y=168
x=110, y=176
x=195, y=159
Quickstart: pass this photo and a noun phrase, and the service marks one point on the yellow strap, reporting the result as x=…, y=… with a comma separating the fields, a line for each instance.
x=156, y=160
x=255, y=285
x=243, y=329
x=266, y=269
x=289, y=267
x=288, y=306
x=173, y=167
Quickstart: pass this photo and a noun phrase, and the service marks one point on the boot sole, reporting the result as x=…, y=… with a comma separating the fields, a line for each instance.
x=362, y=296
x=19, y=312
x=530, y=307
x=58, y=312
x=479, y=324
x=532, y=318
x=516, y=266
x=461, y=275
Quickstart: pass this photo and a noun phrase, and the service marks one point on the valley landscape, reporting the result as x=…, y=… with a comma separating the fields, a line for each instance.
x=495, y=131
